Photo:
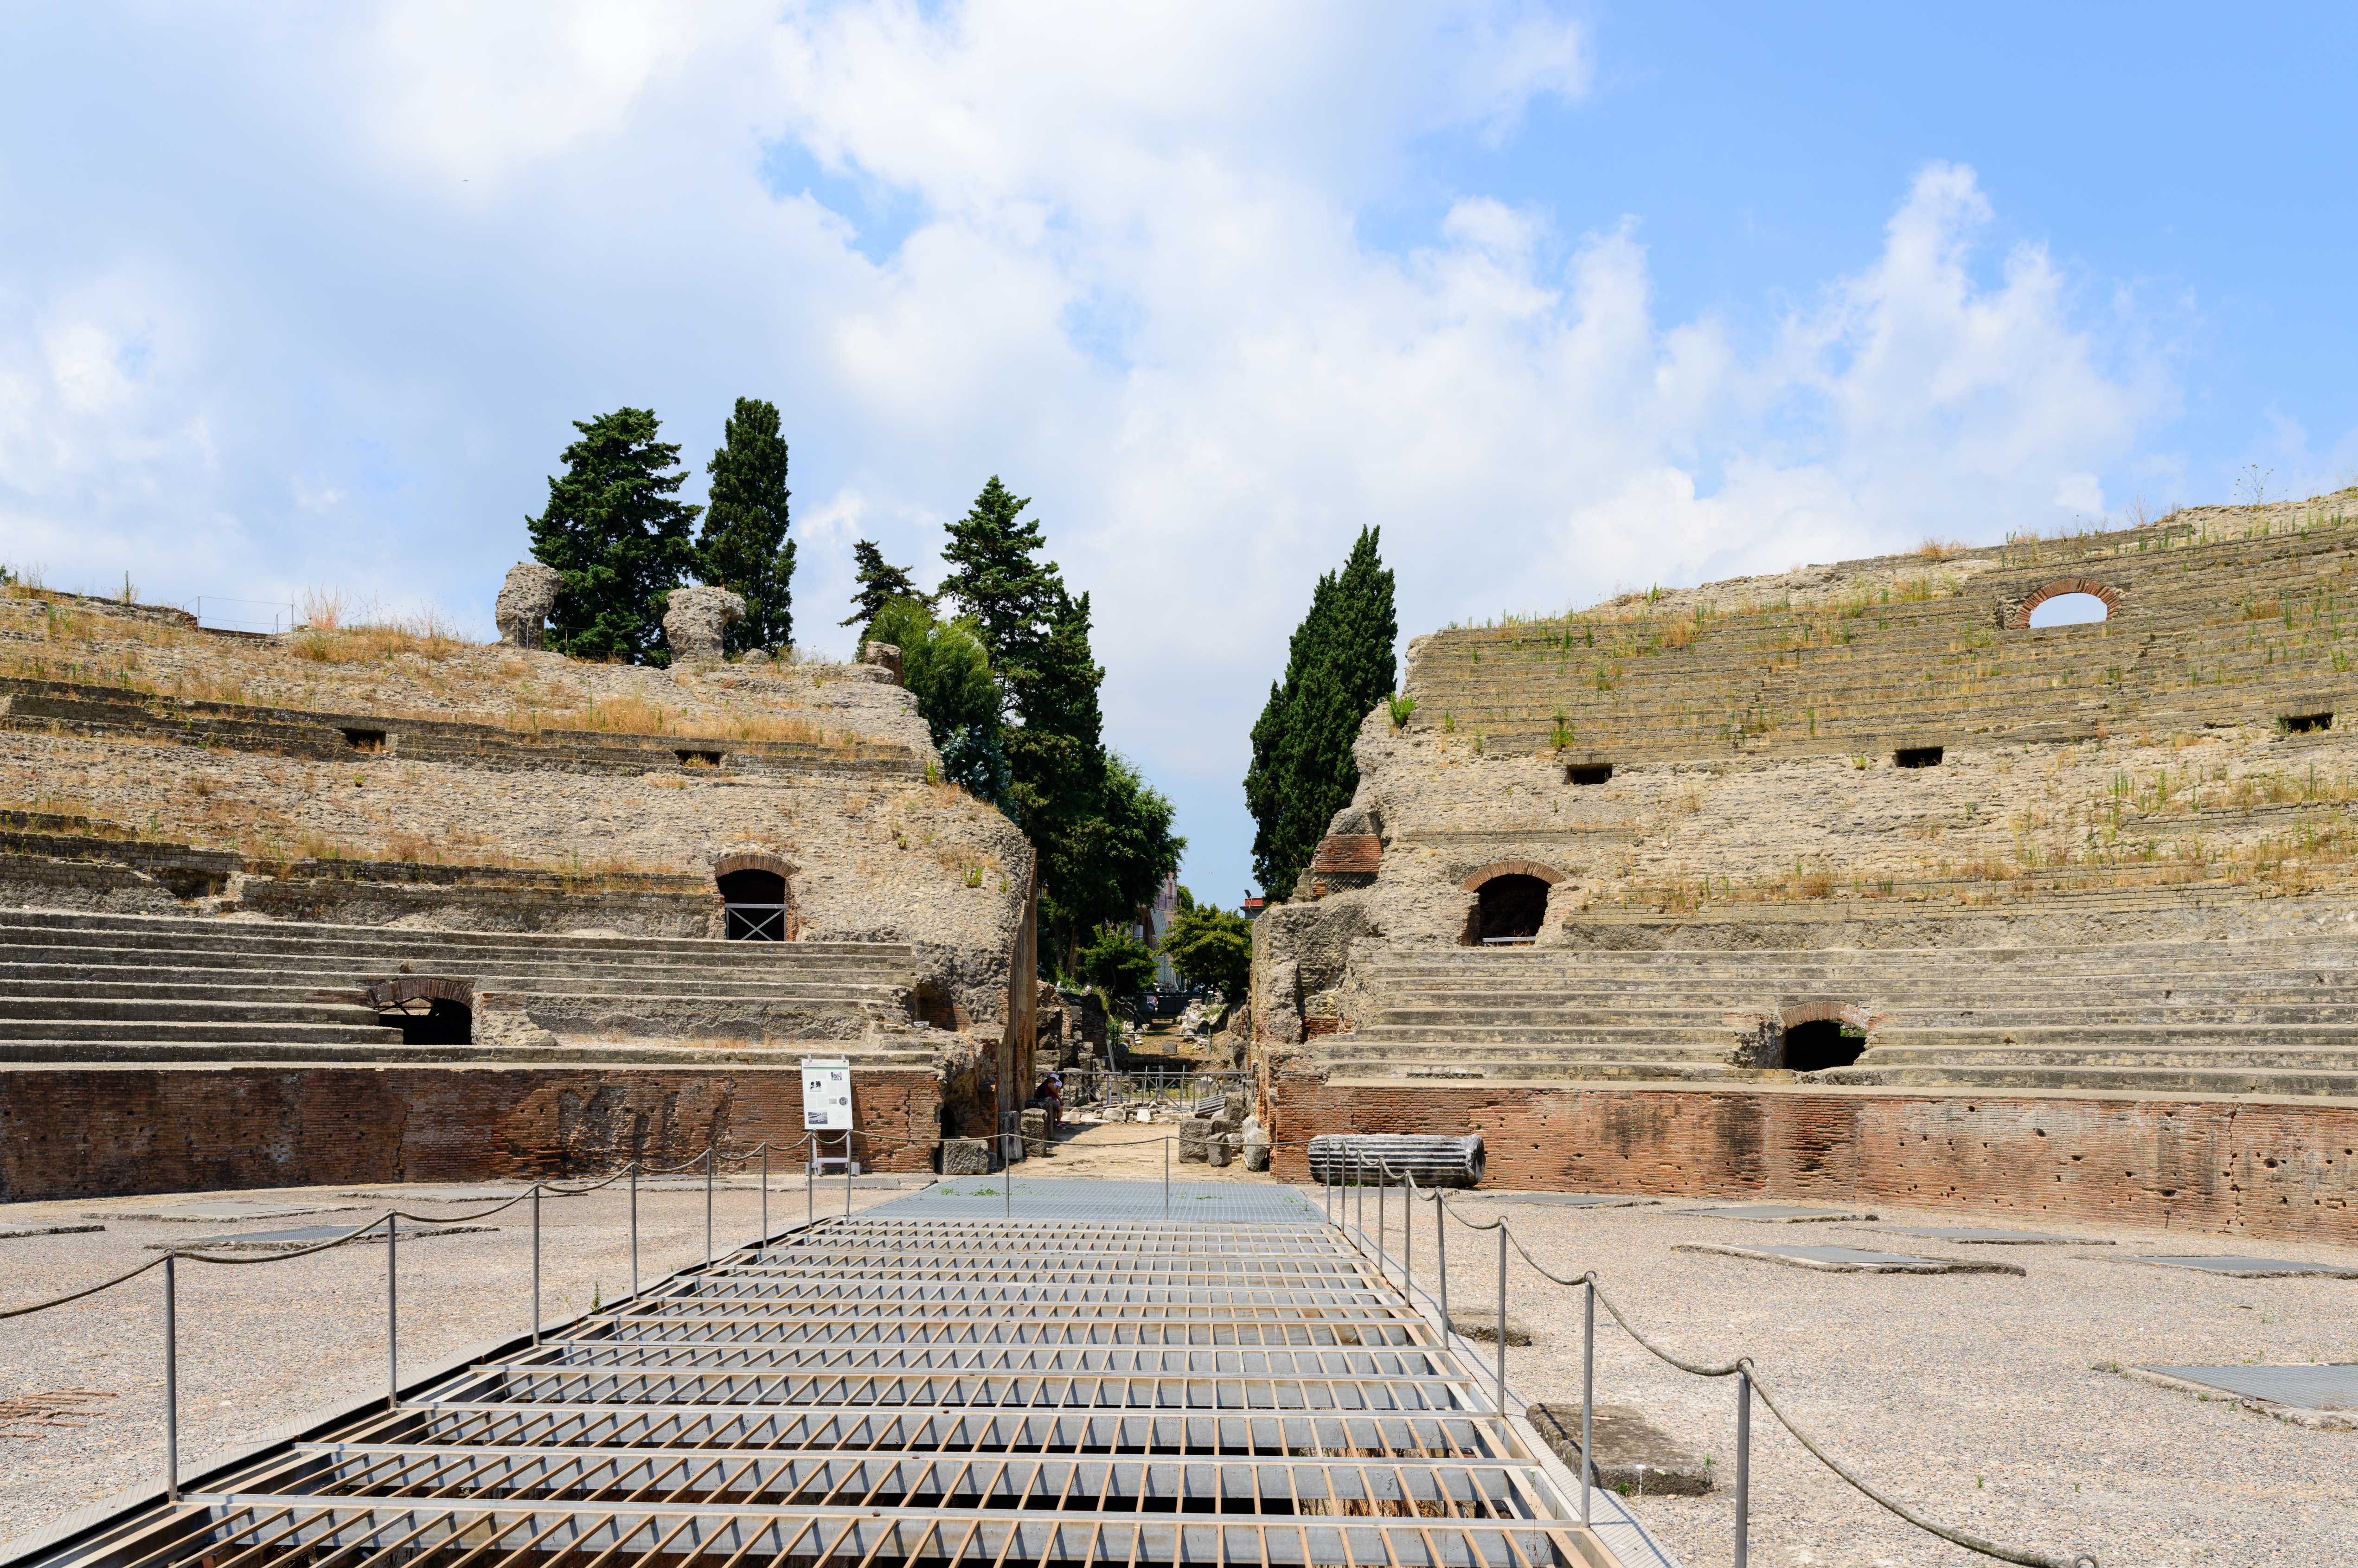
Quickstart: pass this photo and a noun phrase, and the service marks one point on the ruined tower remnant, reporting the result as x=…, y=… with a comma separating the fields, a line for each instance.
x=524, y=601
x=693, y=620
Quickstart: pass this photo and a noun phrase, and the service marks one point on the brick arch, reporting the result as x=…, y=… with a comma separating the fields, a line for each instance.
x=1548, y=874
x=402, y=989
x=751, y=860
x=2018, y=619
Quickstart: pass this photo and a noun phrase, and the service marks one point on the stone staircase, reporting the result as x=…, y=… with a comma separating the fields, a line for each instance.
x=80, y=988
x=2277, y=1016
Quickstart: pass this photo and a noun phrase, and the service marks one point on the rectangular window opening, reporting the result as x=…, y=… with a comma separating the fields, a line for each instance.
x=700, y=759
x=1916, y=757
x=365, y=740
x=2306, y=723
x=1588, y=773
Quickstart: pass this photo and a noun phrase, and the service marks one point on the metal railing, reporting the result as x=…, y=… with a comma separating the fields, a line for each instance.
x=390, y=1222
x=1123, y=1095
x=1343, y=1199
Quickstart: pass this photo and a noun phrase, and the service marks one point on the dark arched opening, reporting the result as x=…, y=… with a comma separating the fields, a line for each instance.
x=756, y=906
x=1821, y=1044
x=1513, y=906
x=441, y=1023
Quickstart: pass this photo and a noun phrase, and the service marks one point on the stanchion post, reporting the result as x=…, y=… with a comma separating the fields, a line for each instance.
x=1441, y=1260
x=1587, y=1394
x=810, y=1182
x=1743, y=1466
x=708, y=1205
x=392, y=1321
x=765, y=1193
x=634, y=1227
x=536, y=1262
x=1502, y=1327
x=1166, y=1181
x=846, y=1174
x=1007, y=1173
x=1408, y=1241
x=171, y=1383
x=1383, y=1179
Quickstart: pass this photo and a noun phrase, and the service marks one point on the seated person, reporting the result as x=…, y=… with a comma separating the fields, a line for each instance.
x=1051, y=1093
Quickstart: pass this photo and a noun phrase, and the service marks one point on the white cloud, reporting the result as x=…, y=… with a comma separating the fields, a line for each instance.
x=1132, y=283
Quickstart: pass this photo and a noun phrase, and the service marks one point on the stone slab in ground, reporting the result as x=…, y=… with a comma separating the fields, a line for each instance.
x=1484, y=1326
x=2324, y=1395
x=7, y=1231
x=309, y=1236
x=444, y=1195
x=1631, y=1452
x=1774, y=1213
x=2253, y=1268
x=1850, y=1259
x=216, y=1212
x=1975, y=1235
x=1568, y=1200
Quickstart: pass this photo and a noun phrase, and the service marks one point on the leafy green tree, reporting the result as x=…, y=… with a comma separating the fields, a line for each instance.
x=1209, y=946
x=1116, y=962
x=744, y=547
x=1339, y=665
x=617, y=534
x=947, y=668
x=880, y=585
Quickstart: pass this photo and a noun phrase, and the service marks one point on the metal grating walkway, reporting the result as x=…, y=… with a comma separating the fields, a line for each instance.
x=930, y=1385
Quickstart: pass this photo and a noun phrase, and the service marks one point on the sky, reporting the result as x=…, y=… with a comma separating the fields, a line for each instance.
x=1564, y=301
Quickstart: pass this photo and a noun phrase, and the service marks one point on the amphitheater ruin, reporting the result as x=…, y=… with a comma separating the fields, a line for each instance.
x=360, y=903
x=1857, y=882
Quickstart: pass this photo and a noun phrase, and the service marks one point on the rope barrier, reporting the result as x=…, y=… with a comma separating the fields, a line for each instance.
x=2030, y=1556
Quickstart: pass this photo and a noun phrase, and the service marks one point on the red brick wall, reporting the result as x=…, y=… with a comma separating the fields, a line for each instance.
x=71, y=1134
x=2256, y=1170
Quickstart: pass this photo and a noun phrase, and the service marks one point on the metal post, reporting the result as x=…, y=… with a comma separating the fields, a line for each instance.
x=1408, y=1242
x=536, y=1262
x=1383, y=1175
x=171, y=1383
x=1743, y=1466
x=708, y=1205
x=1166, y=1181
x=392, y=1322
x=1441, y=1260
x=765, y=1193
x=1007, y=1186
x=1502, y=1325
x=634, y=1227
x=1588, y=1396
x=810, y=1183
x=846, y=1174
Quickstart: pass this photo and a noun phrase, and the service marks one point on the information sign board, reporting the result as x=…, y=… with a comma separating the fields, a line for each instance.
x=827, y=1095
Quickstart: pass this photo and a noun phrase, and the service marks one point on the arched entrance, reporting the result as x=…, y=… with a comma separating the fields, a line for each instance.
x=755, y=904
x=1511, y=899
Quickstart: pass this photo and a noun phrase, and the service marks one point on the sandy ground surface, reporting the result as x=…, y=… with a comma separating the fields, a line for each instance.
x=1975, y=1397
x=262, y=1345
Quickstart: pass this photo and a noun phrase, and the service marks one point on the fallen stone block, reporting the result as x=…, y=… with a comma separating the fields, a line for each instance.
x=1194, y=1133
x=1633, y=1455
x=1484, y=1326
x=965, y=1157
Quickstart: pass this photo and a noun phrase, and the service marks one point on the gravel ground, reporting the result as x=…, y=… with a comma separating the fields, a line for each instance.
x=1972, y=1397
x=261, y=1345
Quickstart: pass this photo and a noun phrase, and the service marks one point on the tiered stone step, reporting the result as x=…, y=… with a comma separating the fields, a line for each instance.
x=80, y=988
x=2267, y=1016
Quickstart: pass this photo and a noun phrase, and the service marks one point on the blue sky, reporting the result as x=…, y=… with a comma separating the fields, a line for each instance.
x=1563, y=300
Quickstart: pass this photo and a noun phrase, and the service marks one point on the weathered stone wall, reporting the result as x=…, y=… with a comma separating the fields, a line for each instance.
x=2258, y=1169
x=70, y=1132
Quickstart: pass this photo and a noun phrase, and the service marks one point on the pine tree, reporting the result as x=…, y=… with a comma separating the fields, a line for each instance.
x=615, y=532
x=880, y=585
x=744, y=547
x=1339, y=665
x=993, y=576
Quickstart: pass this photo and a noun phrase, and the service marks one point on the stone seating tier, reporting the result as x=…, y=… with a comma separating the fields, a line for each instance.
x=78, y=987
x=2274, y=1016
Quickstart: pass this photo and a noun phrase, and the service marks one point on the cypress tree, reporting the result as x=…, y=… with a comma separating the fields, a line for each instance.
x=744, y=547
x=616, y=533
x=1339, y=665
x=880, y=585
x=992, y=574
